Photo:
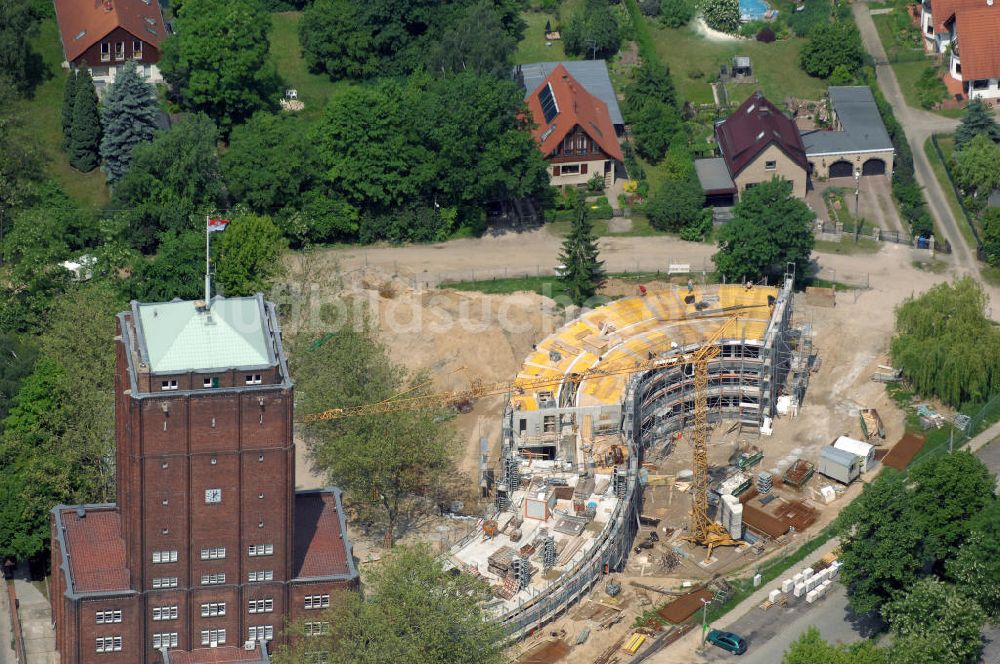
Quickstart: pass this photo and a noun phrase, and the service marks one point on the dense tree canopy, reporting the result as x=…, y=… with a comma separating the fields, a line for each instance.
x=444, y=621
x=832, y=45
x=676, y=13
x=249, y=255
x=21, y=166
x=218, y=61
x=880, y=543
x=976, y=567
x=770, y=228
x=947, y=493
x=416, y=156
x=85, y=130
x=945, y=345
x=675, y=204
x=477, y=42
x=652, y=111
x=941, y=618
x=18, y=27
x=990, y=220
x=811, y=648
x=592, y=31
x=172, y=180
x=128, y=117
x=978, y=120
x=975, y=169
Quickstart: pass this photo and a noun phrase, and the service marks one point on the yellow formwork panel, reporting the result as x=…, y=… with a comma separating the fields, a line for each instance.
x=642, y=324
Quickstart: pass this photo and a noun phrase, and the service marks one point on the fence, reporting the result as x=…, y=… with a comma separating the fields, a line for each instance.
x=15, y=624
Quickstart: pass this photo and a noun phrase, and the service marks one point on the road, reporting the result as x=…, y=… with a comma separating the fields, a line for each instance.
x=918, y=125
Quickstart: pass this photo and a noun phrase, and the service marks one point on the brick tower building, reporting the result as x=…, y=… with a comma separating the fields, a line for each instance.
x=209, y=548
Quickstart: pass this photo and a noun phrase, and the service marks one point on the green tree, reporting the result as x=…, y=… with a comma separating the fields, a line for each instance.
x=17, y=359
x=915, y=649
x=832, y=45
x=676, y=13
x=947, y=492
x=129, y=118
x=931, y=90
x=335, y=39
x=56, y=444
x=177, y=270
x=389, y=466
x=69, y=102
x=21, y=166
x=651, y=108
x=477, y=42
x=811, y=648
x=975, y=168
x=592, y=31
x=990, y=220
x=880, y=543
x=946, y=346
x=445, y=622
x=978, y=120
x=581, y=273
x=770, y=228
x=722, y=15
x=172, y=180
x=270, y=163
x=18, y=28
x=935, y=612
x=218, y=61
x=676, y=204
x=842, y=75
x=249, y=255
x=976, y=567
x=85, y=132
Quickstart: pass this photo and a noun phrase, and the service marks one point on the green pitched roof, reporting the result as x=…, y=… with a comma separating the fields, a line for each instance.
x=177, y=337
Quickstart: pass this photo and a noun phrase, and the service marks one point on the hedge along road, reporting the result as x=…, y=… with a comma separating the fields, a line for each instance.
x=918, y=125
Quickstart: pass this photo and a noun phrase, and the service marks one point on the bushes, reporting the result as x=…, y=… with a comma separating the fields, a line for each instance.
x=676, y=204
x=676, y=13
x=766, y=36
x=930, y=88
x=815, y=14
x=592, y=31
x=830, y=46
x=722, y=15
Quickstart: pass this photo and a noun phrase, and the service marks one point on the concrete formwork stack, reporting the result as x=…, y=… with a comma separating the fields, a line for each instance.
x=731, y=515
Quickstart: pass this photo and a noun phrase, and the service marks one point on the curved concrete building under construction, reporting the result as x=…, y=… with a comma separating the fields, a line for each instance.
x=567, y=497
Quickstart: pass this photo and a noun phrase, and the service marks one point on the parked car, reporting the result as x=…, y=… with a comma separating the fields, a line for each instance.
x=728, y=641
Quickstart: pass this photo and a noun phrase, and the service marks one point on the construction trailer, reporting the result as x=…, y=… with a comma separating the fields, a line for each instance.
x=858, y=448
x=840, y=465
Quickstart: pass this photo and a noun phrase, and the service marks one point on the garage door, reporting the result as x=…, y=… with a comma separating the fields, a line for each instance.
x=841, y=169
x=873, y=167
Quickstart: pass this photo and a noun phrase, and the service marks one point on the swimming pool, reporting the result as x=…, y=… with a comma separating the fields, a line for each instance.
x=753, y=10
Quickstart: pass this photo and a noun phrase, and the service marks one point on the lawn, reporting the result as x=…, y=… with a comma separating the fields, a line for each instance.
x=640, y=228
x=847, y=247
x=533, y=47
x=43, y=119
x=694, y=61
x=314, y=90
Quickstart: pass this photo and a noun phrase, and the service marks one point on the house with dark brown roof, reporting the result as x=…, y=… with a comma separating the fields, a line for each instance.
x=574, y=130
x=103, y=35
x=758, y=142
x=967, y=29
x=209, y=549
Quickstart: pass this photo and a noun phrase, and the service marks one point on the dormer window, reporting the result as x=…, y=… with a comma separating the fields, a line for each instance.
x=253, y=379
x=168, y=385
x=209, y=383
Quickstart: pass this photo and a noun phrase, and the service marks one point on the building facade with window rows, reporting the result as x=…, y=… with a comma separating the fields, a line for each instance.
x=209, y=545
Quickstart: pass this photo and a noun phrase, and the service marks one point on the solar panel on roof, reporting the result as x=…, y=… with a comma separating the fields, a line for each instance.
x=548, y=102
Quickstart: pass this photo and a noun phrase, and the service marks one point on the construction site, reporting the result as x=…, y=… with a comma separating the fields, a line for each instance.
x=643, y=452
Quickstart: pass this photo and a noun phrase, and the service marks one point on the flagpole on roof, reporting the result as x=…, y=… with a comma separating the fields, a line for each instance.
x=208, y=278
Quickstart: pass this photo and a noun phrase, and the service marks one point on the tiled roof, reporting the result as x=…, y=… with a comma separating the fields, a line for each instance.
x=943, y=11
x=576, y=107
x=752, y=127
x=83, y=23
x=95, y=550
x=321, y=543
x=978, y=33
x=233, y=333
x=592, y=74
x=220, y=655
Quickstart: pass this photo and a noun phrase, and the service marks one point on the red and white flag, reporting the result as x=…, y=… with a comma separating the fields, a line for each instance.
x=217, y=225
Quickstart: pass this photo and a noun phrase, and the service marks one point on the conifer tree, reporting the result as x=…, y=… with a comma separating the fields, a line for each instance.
x=582, y=273
x=128, y=118
x=69, y=99
x=977, y=121
x=85, y=134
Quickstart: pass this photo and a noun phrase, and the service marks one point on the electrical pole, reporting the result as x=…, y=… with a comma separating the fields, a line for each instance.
x=857, y=195
x=704, y=620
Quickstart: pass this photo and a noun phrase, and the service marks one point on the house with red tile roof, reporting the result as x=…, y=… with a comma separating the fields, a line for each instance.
x=103, y=35
x=966, y=30
x=574, y=130
x=209, y=549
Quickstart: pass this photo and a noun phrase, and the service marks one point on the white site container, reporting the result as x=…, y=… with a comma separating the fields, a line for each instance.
x=787, y=585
